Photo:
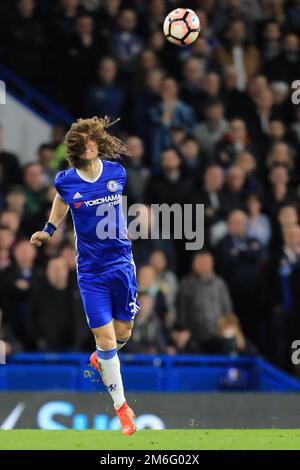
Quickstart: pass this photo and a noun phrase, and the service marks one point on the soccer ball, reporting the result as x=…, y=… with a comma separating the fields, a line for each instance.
x=182, y=26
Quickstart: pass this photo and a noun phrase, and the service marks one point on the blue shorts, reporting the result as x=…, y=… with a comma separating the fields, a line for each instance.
x=108, y=296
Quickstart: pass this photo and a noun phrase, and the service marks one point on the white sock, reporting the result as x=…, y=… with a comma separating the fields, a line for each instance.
x=111, y=374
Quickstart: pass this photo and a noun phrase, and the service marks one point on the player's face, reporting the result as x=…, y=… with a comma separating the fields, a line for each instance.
x=91, y=151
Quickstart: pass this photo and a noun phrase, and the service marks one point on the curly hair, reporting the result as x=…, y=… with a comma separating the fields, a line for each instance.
x=94, y=129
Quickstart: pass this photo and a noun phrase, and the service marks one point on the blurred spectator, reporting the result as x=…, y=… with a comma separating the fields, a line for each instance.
x=250, y=9
x=91, y=5
x=271, y=40
x=11, y=219
x=45, y=158
x=238, y=257
x=293, y=16
x=68, y=253
x=169, y=185
x=126, y=43
x=282, y=105
x=193, y=159
x=256, y=85
x=15, y=200
x=79, y=58
x=202, y=299
x=275, y=9
x=5, y=259
x=234, y=142
x=144, y=98
x=248, y=164
x=237, y=51
x=35, y=188
x=287, y=216
x=230, y=339
x=258, y=223
x=203, y=49
x=137, y=173
x=107, y=19
x=280, y=92
x=235, y=183
x=170, y=112
x=105, y=98
x=278, y=194
x=216, y=202
x=7, y=237
x=53, y=303
x=57, y=141
x=148, y=283
x=191, y=91
x=156, y=12
x=17, y=282
x=144, y=244
x=166, y=279
x=163, y=53
x=32, y=223
x=211, y=90
x=280, y=155
x=233, y=98
x=147, y=335
x=63, y=19
x=286, y=66
x=260, y=116
x=147, y=61
x=212, y=129
x=276, y=132
x=178, y=135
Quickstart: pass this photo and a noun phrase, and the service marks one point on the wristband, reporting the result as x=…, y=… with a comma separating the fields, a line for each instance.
x=49, y=228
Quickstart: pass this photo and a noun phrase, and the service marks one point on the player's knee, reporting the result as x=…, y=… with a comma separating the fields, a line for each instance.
x=105, y=342
x=123, y=331
x=124, y=335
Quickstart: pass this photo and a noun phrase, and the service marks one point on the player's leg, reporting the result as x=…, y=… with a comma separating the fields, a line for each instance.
x=97, y=301
x=98, y=304
x=109, y=364
x=123, y=329
x=106, y=360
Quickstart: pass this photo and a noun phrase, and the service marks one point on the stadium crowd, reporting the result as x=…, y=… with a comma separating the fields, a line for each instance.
x=211, y=124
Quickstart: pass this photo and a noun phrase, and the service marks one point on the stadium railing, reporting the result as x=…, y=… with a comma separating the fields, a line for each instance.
x=145, y=373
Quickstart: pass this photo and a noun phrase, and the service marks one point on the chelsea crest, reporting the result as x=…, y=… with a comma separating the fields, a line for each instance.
x=112, y=186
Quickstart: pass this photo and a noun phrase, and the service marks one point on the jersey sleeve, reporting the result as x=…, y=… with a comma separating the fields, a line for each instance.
x=122, y=171
x=58, y=184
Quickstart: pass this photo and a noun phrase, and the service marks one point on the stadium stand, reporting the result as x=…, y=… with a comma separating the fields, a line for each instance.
x=213, y=123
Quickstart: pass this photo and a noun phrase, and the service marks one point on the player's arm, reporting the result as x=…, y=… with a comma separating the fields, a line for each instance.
x=58, y=213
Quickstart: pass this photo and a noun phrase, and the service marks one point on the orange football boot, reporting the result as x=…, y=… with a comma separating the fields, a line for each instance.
x=126, y=417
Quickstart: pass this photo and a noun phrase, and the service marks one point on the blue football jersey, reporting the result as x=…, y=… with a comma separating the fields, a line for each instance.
x=96, y=209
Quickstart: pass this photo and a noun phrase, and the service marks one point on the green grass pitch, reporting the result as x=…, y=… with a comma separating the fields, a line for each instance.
x=175, y=439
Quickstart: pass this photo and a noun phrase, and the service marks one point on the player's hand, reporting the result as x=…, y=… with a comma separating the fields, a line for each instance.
x=38, y=238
